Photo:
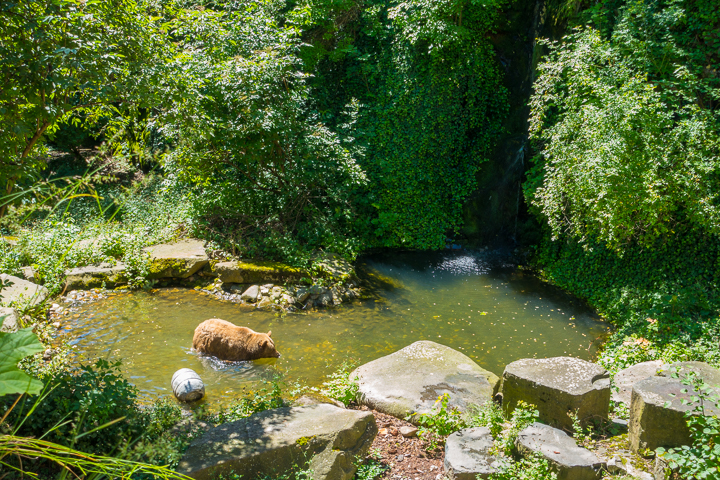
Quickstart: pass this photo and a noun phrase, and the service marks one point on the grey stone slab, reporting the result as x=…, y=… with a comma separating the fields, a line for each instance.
x=410, y=380
x=710, y=375
x=11, y=321
x=467, y=454
x=657, y=413
x=84, y=278
x=570, y=461
x=252, y=271
x=18, y=290
x=177, y=260
x=626, y=378
x=324, y=438
x=558, y=386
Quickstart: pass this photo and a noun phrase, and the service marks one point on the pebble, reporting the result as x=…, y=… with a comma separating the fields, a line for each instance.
x=393, y=431
x=408, y=432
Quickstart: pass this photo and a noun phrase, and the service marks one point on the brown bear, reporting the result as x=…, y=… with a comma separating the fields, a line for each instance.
x=226, y=341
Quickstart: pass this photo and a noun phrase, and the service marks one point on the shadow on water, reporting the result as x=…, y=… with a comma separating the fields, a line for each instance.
x=477, y=303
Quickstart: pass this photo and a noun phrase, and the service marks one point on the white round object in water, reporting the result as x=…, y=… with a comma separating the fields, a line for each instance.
x=187, y=385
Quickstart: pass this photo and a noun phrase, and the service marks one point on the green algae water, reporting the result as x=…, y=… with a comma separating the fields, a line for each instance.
x=493, y=313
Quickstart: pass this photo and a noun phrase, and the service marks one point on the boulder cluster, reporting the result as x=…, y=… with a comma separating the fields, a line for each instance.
x=410, y=381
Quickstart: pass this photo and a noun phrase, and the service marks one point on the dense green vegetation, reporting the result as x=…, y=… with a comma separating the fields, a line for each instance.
x=625, y=122
x=275, y=129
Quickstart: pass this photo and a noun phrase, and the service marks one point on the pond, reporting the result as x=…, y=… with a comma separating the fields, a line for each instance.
x=475, y=303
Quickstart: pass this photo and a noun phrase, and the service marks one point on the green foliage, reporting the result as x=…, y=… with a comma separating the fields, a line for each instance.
x=416, y=94
x=598, y=110
x=663, y=300
x=268, y=171
x=489, y=415
x=340, y=386
x=523, y=416
x=83, y=235
x=58, y=57
x=441, y=420
x=256, y=402
x=370, y=468
x=13, y=348
x=533, y=468
x=75, y=404
x=701, y=460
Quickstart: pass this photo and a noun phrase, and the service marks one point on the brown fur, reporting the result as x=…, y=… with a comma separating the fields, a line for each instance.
x=226, y=341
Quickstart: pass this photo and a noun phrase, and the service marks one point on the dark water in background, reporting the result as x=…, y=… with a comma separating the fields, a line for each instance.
x=492, y=312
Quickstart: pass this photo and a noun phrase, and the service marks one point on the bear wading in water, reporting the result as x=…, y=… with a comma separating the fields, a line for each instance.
x=226, y=341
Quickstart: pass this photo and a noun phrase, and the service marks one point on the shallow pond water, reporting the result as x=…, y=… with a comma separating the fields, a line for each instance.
x=493, y=313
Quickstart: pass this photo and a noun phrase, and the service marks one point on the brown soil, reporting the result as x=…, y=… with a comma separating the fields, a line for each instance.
x=407, y=458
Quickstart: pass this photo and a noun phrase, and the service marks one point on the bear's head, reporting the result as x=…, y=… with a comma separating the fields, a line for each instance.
x=267, y=346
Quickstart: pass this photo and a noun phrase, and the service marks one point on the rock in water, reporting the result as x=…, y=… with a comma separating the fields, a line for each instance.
x=323, y=438
x=410, y=380
x=625, y=379
x=558, y=386
x=226, y=341
x=567, y=459
x=187, y=385
x=467, y=454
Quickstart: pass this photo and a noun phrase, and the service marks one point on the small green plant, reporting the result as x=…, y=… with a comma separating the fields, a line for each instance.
x=370, y=467
x=523, y=416
x=441, y=420
x=580, y=432
x=701, y=460
x=534, y=467
x=489, y=415
x=340, y=386
x=256, y=402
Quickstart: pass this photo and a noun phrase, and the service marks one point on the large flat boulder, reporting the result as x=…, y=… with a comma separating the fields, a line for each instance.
x=20, y=291
x=250, y=271
x=569, y=461
x=176, y=260
x=709, y=375
x=626, y=378
x=467, y=454
x=657, y=413
x=324, y=438
x=410, y=380
x=558, y=386
x=84, y=278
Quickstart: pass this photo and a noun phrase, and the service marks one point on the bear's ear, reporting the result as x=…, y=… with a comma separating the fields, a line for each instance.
x=270, y=333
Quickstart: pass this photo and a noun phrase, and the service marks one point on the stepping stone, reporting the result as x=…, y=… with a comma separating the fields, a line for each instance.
x=177, y=260
x=708, y=374
x=558, y=386
x=568, y=460
x=410, y=380
x=467, y=454
x=85, y=278
x=625, y=379
x=21, y=291
x=324, y=438
x=10, y=322
x=657, y=413
x=257, y=272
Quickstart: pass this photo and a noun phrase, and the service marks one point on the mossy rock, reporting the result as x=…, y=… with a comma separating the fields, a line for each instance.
x=257, y=271
x=176, y=260
x=85, y=278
